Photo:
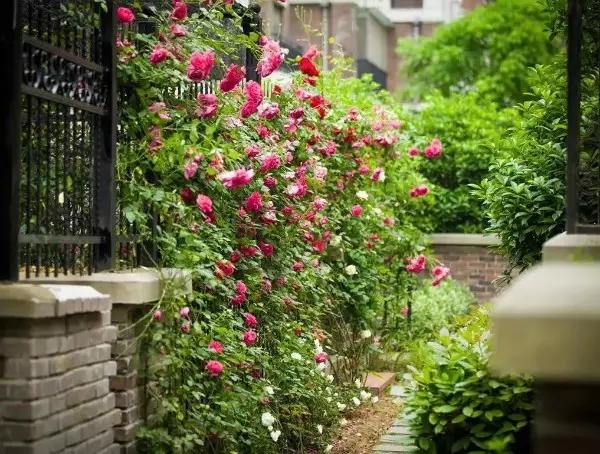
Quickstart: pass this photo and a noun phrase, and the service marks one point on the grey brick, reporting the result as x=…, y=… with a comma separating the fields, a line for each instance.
x=127, y=364
x=45, y=387
x=82, y=322
x=87, y=392
x=90, y=429
x=122, y=313
x=24, y=327
x=124, y=382
x=94, y=445
x=129, y=448
x=127, y=433
x=35, y=347
x=112, y=449
x=25, y=411
x=50, y=445
x=130, y=415
x=126, y=399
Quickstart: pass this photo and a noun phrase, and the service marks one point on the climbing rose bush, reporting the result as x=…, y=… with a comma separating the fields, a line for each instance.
x=290, y=205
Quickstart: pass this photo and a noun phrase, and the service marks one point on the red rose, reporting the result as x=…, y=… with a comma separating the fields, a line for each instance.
x=125, y=15
x=308, y=67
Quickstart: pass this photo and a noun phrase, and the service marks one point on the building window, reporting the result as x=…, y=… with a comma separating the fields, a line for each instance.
x=407, y=3
x=277, y=22
x=416, y=29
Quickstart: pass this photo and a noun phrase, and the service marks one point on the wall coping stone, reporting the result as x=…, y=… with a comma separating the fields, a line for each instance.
x=572, y=248
x=462, y=239
x=25, y=300
x=547, y=324
x=131, y=287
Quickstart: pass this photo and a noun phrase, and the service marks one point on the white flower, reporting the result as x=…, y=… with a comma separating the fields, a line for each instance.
x=341, y=407
x=356, y=401
x=444, y=332
x=269, y=390
x=343, y=422
x=362, y=195
x=331, y=378
x=336, y=240
x=350, y=270
x=328, y=389
x=328, y=448
x=358, y=383
x=328, y=399
x=377, y=211
x=270, y=428
x=321, y=366
x=297, y=356
x=267, y=419
x=375, y=399
x=365, y=334
x=317, y=343
x=365, y=395
x=335, y=395
x=320, y=428
x=275, y=435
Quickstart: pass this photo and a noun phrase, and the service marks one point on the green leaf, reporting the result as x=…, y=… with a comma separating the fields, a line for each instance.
x=444, y=409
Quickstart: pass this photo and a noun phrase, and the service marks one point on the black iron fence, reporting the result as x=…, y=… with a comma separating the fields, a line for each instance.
x=59, y=134
x=583, y=140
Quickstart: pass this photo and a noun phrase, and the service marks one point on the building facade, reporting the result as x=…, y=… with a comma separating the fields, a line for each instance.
x=366, y=30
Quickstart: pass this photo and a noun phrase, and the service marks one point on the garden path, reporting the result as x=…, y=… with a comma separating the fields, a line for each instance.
x=396, y=439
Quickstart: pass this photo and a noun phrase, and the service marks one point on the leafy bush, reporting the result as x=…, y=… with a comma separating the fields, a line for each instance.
x=287, y=207
x=468, y=124
x=455, y=405
x=488, y=51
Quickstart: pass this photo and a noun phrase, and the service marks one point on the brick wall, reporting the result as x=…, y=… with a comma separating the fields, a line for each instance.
x=470, y=263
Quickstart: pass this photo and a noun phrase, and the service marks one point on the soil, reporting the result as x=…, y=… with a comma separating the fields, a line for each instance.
x=366, y=427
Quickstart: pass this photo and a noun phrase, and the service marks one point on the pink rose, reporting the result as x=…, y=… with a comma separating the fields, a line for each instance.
x=269, y=161
x=236, y=178
x=319, y=204
x=270, y=181
x=159, y=54
x=254, y=202
x=125, y=15
x=185, y=328
x=178, y=31
x=419, y=191
x=214, y=368
x=389, y=221
x=250, y=320
x=215, y=346
x=233, y=77
x=190, y=169
x=266, y=249
x=416, y=265
x=250, y=337
x=356, y=210
x=200, y=65
x=252, y=150
x=204, y=203
x=378, y=175
x=158, y=316
x=321, y=358
x=298, y=266
x=179, y=12
x=272, y=57
x=207, y=105
x=413, y=151
x=241, y=288
x=268, y=110
x=184, y=312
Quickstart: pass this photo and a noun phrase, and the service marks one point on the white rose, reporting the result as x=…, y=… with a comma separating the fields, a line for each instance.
x=328, y=448
x=297, y=356
x=365, y=395
x=321, y=366
x=377, y=211
x=267, y=419
x=269, y=391
x=275, y=435
x=356, y=401
x=341, y=407
x=375, y=399
x=365, y=334
x=358, y=383
x=328, y=399
x=350, y=270
x=343, y=422
x=320, y=428
x=331, y=378
x=362, y=195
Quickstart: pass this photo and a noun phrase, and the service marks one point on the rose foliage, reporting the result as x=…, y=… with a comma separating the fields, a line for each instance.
x=288, y=208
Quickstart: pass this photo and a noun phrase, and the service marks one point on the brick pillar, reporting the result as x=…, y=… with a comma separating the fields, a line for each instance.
x=127, y=384
x=55, y=364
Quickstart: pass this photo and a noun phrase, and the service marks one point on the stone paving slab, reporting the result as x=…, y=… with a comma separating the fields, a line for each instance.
x=397, y=391
x=396, y=439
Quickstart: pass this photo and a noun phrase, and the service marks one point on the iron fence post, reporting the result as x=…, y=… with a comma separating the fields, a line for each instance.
x=10, y=139
x=107, y=183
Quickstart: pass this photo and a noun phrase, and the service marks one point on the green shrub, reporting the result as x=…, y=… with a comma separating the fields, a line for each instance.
x=432, y=309
x=455, y=405
x=488, y=51
x=467, y=124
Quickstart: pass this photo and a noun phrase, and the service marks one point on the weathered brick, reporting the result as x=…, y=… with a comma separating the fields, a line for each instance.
x=124, y=382
x=50, y=445
x=57, y=364
x=87, y=392
x=128, y=448
x=127, y=347
x=126, y=399
x=82, y=322
x=24, y=327
x=95, y=445
x=130, y=415
x=127, y=433
x=90, y=429
x=45, y=387
x=122, y=313
x=35, y=347
x=127, y=364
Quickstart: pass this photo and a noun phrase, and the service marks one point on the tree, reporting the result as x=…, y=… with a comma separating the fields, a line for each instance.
x=489, y=51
